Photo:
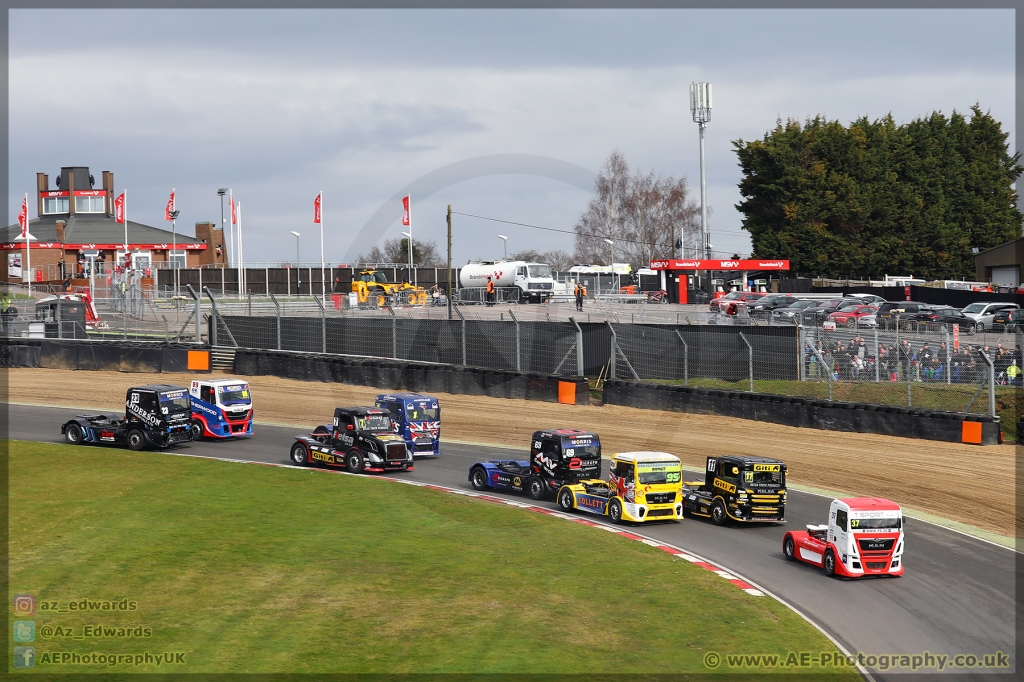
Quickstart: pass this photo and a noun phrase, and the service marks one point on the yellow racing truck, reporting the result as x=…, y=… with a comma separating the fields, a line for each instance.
x=641, y=486
x=372, y=286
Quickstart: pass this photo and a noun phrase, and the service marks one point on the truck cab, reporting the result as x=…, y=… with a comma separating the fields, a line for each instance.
x=863, y=536
x=156, y=415
x=417, y=419
x=221, y=408
x=641, y=486
x=562, y=456
x=361, y=439
x=739, y=488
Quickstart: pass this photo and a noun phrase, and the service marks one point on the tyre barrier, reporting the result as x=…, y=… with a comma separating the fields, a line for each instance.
x=124, y=356
x=398, y=375
x=832, y=415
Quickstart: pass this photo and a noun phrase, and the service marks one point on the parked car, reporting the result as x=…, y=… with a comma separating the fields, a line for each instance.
x=817, y=314
x=850, y=315
x=746, y=297
x=791, y=312
x=868, y=299
x=984, y=313
x=890, y=311
x=939, y=314
x=1008, y=319
x=772, y=302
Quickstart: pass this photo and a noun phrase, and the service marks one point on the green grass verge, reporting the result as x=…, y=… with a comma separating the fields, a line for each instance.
x=926, y=395
x=248, y=568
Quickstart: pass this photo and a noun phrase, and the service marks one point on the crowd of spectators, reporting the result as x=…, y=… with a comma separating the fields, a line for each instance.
x=857, y=361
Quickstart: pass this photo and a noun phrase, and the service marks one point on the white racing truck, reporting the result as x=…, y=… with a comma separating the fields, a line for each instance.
x=514, y=280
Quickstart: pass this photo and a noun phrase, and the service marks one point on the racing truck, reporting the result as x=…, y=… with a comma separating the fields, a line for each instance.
x=863, y=536
x=156, y=415
x=361, y=439
x=739, y=488
x=641, y=486
x=221, y=408
x=557, y=457
x=417, y=419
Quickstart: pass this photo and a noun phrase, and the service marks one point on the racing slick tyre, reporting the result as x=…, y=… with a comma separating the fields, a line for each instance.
x=535, y=489
x=829, y=563
x=73, y=434
x=136, y=440
x=299, y=454
x=718, y=515
x=565, y=500
x=788, y=549
x=195, y=429
x=615, y=511
x=478, y=479
x=354, y=461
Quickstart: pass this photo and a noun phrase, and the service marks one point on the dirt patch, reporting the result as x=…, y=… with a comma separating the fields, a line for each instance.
x=926, y=475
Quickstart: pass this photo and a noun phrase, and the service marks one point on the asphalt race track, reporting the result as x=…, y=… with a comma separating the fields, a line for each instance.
x=956, y=597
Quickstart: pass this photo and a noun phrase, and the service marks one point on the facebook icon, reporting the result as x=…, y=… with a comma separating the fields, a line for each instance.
x=24, y=656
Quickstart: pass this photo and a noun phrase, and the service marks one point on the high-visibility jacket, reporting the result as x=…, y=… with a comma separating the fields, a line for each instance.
x=490, y=286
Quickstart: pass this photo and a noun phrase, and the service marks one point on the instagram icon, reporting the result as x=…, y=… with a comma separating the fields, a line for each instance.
x=24, y=605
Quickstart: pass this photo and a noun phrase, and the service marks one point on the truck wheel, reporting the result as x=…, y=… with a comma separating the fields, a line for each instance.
x=196, y=429
x=535, y=489
x=299, y=454
x=565, y=500
x=136, y=440
x=718, y=515
x=788, y=549
x=73, y=434
x=615, y=511
x=478, y=479
x=830, y=563
x=354, y=461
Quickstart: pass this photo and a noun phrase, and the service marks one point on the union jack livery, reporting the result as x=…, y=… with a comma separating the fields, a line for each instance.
x=417, y=419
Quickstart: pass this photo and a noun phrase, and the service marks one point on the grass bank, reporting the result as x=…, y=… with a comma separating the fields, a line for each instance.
x=246, y=568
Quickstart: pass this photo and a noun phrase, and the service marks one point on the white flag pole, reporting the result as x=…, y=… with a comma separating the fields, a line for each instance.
x=28, y=249
x=241, y=256
x=323, y=284
x=413, y=275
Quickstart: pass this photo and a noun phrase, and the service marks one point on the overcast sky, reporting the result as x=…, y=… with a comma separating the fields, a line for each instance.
x=281, y=104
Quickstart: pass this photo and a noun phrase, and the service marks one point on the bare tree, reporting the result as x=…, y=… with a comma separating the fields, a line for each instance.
x=645, y=215
x=559, y=259
x=424, y=254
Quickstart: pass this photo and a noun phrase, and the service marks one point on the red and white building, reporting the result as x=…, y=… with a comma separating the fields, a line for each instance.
x=75, y=222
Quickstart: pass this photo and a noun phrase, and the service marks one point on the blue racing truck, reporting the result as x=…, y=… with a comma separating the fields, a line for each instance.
x=221, y=408
x=417, y=419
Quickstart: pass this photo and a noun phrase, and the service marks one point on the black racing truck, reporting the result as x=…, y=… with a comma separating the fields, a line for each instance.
x=557, y=457
x=362, y=439
x=157, y=415
x=739, y=488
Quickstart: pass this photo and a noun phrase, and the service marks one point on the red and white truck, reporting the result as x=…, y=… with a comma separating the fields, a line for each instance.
x=863, y=536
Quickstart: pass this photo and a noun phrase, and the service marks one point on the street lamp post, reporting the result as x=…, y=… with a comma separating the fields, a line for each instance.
x=221, y=192
x=504, y=244
x=298, y=266
x=700, y=107
x=174, y=251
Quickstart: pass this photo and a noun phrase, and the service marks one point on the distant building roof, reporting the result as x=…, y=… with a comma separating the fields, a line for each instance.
x=91, y=228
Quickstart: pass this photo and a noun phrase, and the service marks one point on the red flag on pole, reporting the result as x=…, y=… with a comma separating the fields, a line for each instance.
x=169, y=208
x=405, y=210
x=234, y=217
x=23, y=219
x=316, y=208
x=119, y=209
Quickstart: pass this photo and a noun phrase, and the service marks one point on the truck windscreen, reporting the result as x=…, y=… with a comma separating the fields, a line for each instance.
x=655, y=473
x=766, y=479
x=375, y=422
x=891, y=523
x=175, y=402
x=582, y=451
x=233, y=395
x=420, y=413
x=539, y=270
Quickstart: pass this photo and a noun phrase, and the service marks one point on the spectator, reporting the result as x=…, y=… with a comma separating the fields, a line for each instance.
x=435, y=295
x=100, y=261
x=856, y=367
x=62, y=267
x=1013, y=373
x=490, y=291
x=579, y=292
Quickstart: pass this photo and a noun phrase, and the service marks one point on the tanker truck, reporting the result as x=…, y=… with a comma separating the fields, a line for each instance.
x=515, y=280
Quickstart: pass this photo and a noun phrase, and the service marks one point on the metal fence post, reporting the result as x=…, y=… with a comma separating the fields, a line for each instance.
x=519, y=363
x=462, y=317
x=579, y=346
x=991, y=383
x=213, y=316
x=60, y=331
x=828, y=369
x=323, y=321
x=750, y=356
x=878, y=358
x=394, y=332
x=801, y=334
x=195, y=297
x=278, y=307
x=615, y=352
x=949, y=359
x=686, y=359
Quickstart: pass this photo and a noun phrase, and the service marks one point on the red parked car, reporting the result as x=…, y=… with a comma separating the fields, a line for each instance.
x=744, y=297
x=848, y=315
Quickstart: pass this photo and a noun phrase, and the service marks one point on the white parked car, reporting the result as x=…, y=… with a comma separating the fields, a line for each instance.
x=983, y=312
